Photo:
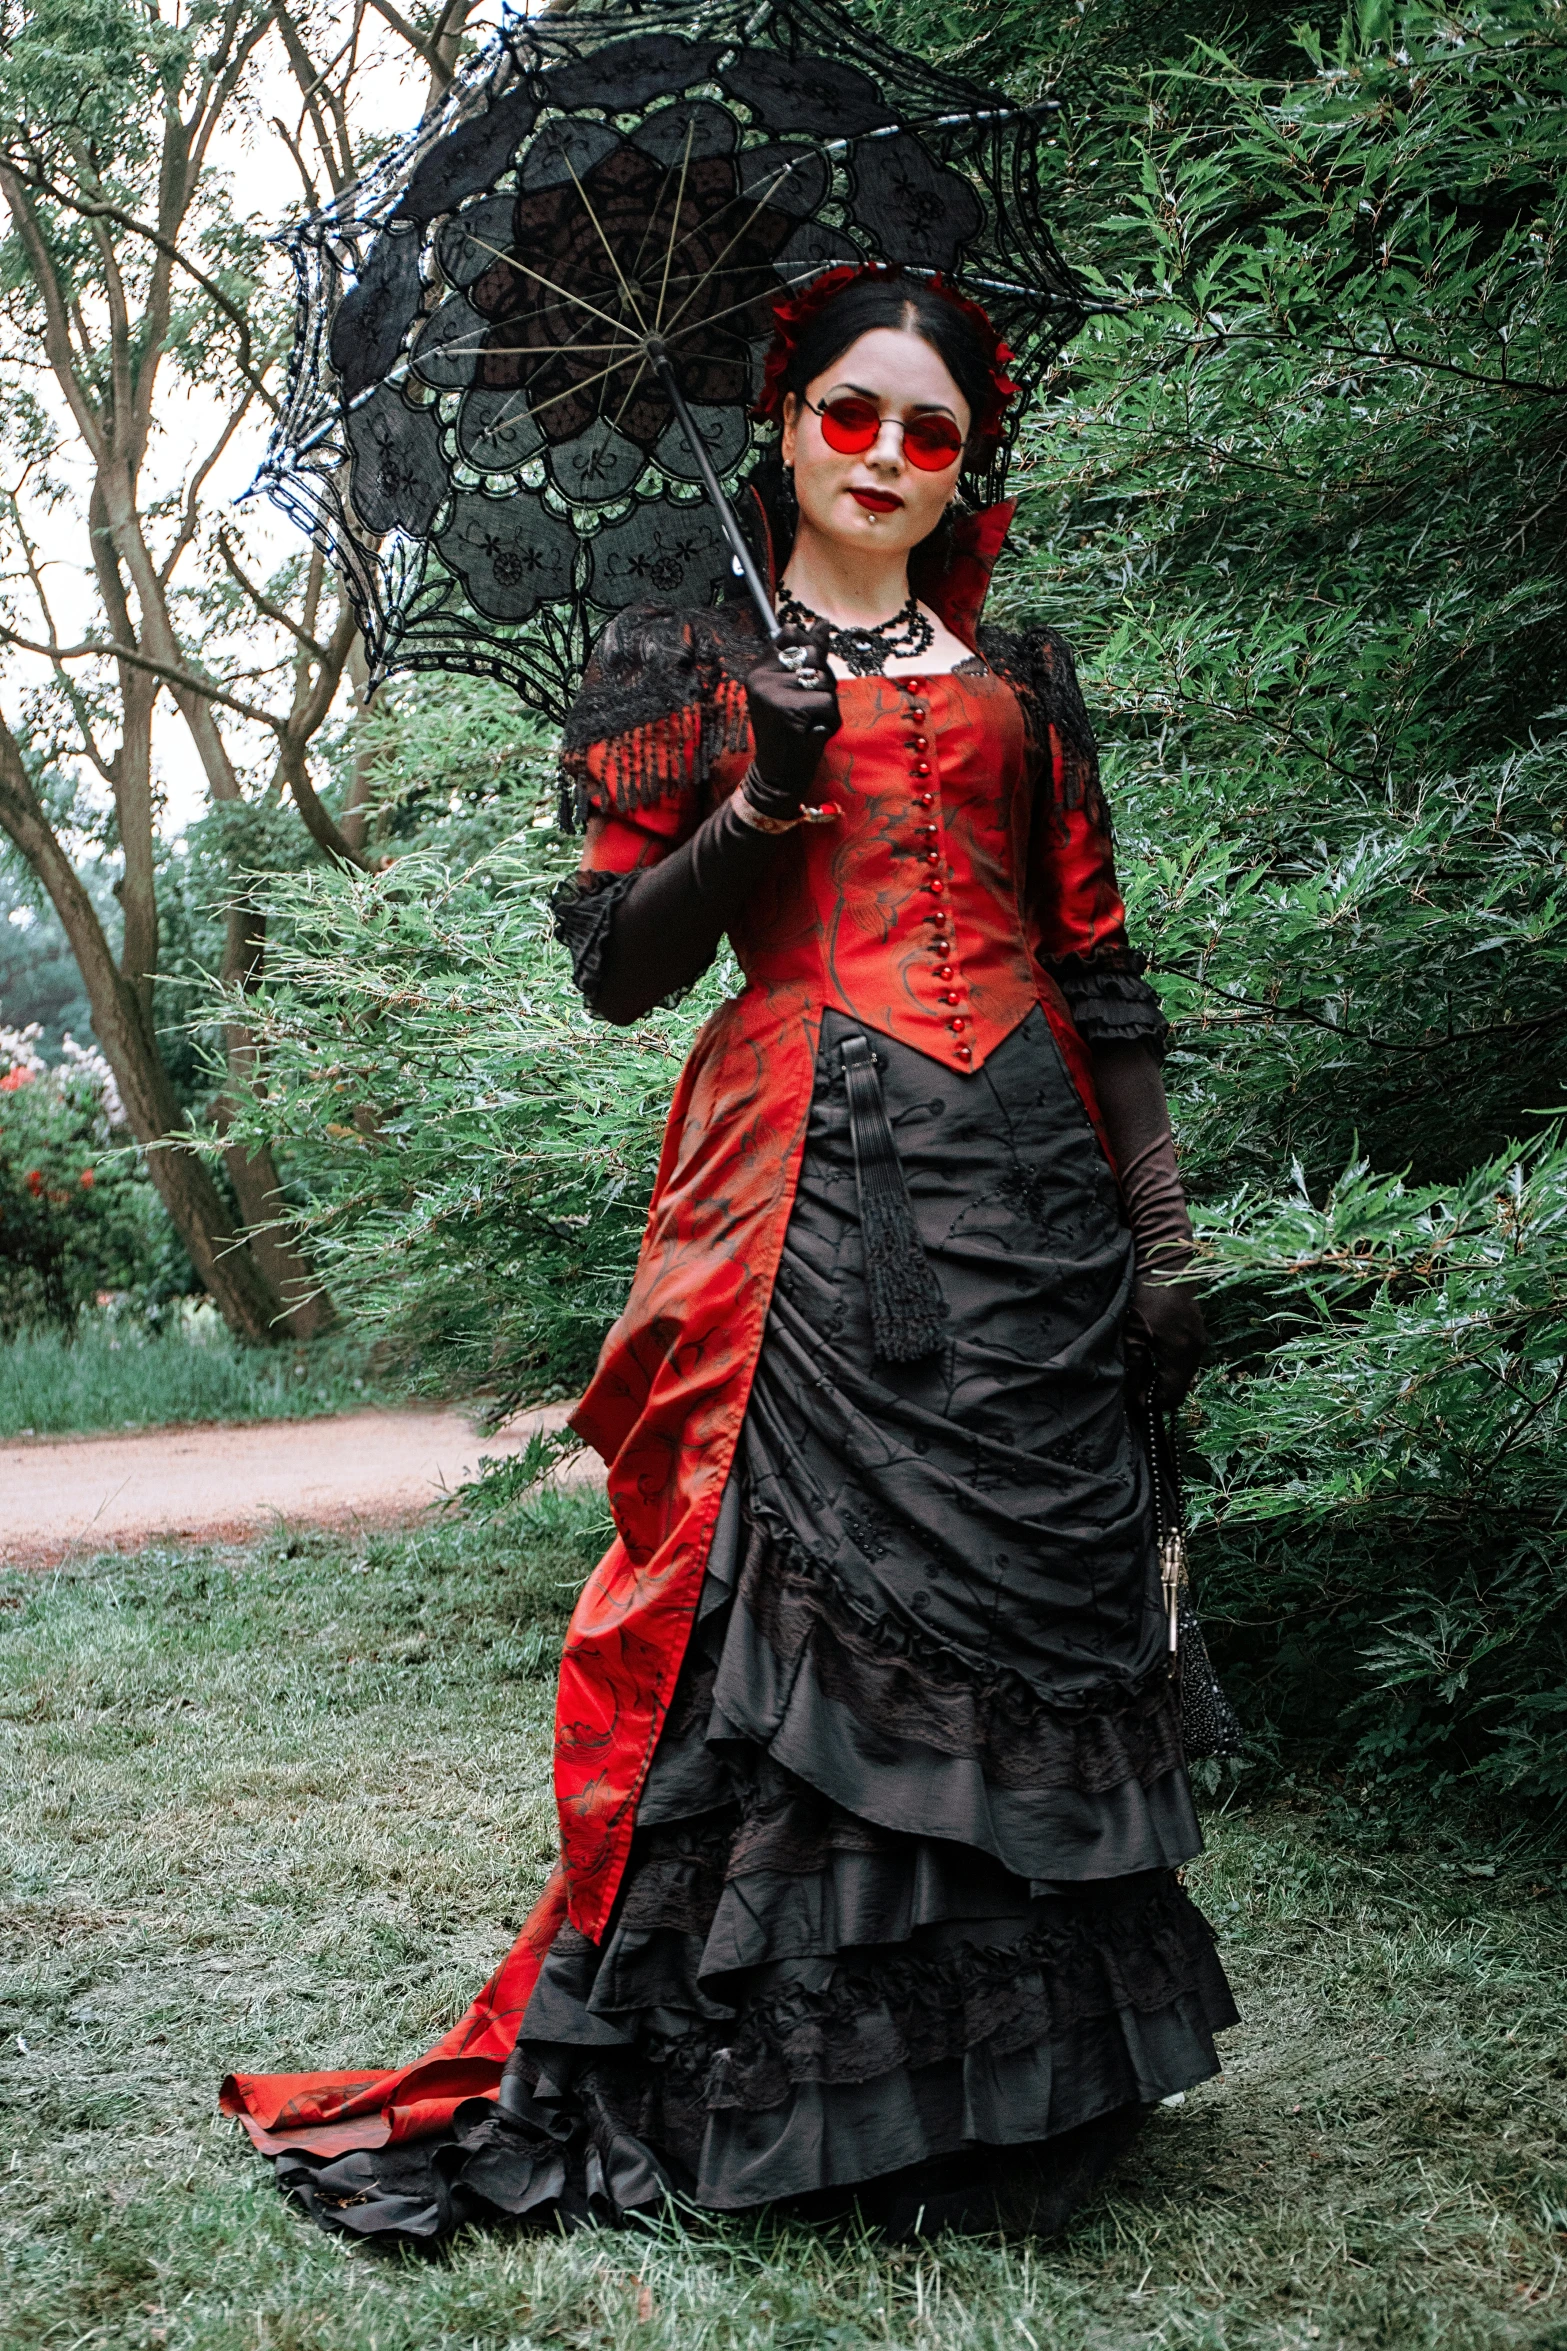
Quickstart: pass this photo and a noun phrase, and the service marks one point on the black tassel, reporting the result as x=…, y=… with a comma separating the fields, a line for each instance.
x=566, y=807
x=907, y=1307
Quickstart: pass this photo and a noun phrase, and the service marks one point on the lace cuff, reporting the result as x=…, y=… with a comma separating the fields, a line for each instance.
x=1109, y=1000
x=583, y=906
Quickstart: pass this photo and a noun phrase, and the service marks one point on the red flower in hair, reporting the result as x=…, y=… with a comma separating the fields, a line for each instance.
x=795, y=312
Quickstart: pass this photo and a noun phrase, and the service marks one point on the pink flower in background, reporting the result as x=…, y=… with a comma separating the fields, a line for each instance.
x=14, y=1078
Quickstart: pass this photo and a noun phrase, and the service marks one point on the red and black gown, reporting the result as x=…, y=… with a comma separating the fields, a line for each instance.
x=871, y=1792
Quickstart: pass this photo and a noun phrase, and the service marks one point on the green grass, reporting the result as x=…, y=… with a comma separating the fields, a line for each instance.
x=279, y=1807
x=116, y=1375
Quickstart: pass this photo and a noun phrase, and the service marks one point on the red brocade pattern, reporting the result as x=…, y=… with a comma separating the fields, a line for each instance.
x=974, y=849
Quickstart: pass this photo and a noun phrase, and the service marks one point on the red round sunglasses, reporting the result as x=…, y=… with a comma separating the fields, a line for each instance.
x=851, y=425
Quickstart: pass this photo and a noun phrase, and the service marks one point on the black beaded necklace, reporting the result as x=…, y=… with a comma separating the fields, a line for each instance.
x=866, y=652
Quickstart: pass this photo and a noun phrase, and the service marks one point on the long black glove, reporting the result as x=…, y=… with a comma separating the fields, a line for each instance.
x=1165, y=1336
x=790, y=722
x=665, y=930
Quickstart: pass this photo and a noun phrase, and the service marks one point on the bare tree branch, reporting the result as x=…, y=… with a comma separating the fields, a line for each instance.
x=57, y=315
x=286, y=135
x=190, y=519
x=182, y=679
x=92, y=210
x=264, y=604
x=340, y=168
x=67, y=683
x=422, y=45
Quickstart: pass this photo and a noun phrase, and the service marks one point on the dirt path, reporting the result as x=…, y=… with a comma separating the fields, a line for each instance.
x=68, y=1494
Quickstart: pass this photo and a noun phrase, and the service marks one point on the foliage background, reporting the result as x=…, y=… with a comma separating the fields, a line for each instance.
x=1298, y=496
x=78, y=1216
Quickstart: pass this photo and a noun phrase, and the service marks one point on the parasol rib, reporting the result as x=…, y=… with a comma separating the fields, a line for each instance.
x=674, y=223
x=614, y=258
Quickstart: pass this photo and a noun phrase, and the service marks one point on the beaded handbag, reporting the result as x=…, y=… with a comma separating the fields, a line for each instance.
x=1210, y=1725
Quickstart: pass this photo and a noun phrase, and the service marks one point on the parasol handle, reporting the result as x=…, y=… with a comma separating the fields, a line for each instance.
x=745, y=562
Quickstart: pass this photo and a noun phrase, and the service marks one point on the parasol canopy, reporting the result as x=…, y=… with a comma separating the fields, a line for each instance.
x=529, y=341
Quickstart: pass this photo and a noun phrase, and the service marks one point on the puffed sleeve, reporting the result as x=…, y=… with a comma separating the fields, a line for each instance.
x=648, y=746
x=1071, y=896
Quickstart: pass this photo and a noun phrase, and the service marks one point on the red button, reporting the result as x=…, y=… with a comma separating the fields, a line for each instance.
x=924, y=799
x=933, y=857
x=936, y=887
x=918, y=710
x=952, y=997
x=920, y=743
x=943, y=971
x=957, y=1024
x=965, y=1053
x=922, y=767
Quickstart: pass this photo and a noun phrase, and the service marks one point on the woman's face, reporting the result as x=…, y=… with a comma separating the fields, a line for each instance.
x=875, y=500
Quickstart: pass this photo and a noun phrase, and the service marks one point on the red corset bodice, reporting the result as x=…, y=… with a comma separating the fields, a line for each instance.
x=907, y=912
x=967, y=859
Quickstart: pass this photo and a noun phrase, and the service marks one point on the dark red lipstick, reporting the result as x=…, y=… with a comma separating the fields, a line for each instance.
x=877, y=501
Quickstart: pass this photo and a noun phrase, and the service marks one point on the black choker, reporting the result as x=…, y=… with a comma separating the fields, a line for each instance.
x=866, y=652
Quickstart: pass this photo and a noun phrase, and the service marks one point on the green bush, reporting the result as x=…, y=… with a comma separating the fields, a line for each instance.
x=1300, y=503
x=78, y=1217
x=1297, y=494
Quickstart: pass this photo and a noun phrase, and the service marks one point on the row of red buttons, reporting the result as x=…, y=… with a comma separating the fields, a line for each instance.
x=941, y=944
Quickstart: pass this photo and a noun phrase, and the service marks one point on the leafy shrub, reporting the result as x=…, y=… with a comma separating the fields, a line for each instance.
x=478, y=1151
x=78, y=1216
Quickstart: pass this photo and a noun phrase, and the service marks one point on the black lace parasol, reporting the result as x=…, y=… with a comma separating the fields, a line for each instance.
x=510, y=331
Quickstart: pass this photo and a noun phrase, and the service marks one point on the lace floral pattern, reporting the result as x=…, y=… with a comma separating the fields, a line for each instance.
x=930, y=1693
x=1143, y=1948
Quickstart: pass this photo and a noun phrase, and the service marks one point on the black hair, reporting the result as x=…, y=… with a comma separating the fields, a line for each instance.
x=911, y=308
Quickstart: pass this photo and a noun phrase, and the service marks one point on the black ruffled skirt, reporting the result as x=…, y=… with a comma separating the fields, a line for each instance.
x=903, y=1891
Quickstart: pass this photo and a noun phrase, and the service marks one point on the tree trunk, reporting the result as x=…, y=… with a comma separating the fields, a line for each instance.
x=245, y=1298
x=308, y=1311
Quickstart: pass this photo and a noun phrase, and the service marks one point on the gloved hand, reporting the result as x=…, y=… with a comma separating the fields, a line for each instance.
x=790, y=723
x=1166, y=1339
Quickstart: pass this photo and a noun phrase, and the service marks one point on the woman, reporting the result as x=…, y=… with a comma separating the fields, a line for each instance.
x=868, y=1762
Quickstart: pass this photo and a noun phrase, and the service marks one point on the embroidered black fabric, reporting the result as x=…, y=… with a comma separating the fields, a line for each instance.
x=908, y=1684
